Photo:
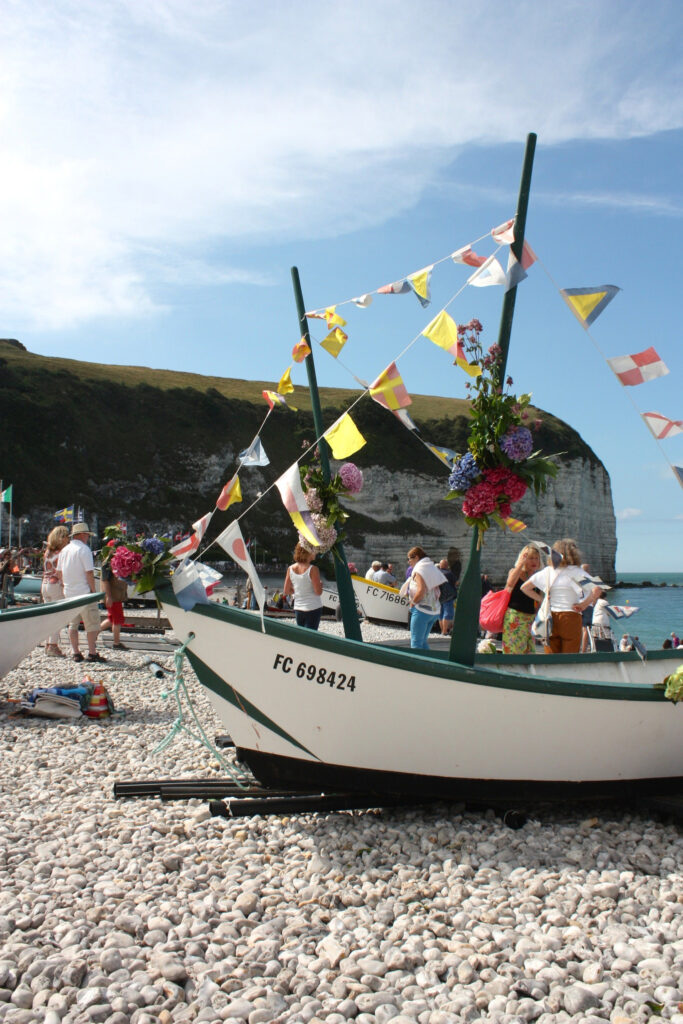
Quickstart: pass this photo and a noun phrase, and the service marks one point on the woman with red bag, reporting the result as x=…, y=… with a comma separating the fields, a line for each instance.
x=517, y=638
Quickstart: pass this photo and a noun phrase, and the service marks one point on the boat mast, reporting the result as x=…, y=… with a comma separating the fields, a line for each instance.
x=347, y=598
x=466, y=622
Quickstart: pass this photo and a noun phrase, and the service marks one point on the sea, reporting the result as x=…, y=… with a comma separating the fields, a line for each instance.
x=660, y=606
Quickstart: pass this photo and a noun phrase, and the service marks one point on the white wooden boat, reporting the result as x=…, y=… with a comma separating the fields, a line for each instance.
x=308, y=709
x=381, y=603
x=22, y=629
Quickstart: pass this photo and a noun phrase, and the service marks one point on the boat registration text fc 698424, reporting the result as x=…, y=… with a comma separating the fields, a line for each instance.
x=315, y=673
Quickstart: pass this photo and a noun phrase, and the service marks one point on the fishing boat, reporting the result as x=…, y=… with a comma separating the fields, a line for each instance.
x=308, y=709
x=381, y=603
x=22, y=629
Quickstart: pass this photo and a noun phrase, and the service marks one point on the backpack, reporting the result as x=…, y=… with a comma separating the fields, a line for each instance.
x=447, y=592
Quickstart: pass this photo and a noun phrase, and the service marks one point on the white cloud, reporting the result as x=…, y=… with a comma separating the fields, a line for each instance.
x=629, y=513
x=142, y=127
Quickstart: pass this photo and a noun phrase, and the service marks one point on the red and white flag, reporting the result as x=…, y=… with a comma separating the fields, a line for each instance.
x=201, y=526
x=638, y=368
x=662, y=426
x=186, y=545
x=467, y=255
x=504, y=234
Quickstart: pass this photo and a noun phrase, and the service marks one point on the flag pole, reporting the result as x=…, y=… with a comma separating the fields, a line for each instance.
x=347, y=599
x=466, y=621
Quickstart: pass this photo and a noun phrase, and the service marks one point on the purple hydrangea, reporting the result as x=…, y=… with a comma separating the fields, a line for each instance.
x=464, y=473
x=351, y=477
x=152, y=545
x=517, y=444
x=313, y=500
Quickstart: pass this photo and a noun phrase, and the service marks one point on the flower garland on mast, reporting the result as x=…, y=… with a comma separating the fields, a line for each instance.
x=500, y=464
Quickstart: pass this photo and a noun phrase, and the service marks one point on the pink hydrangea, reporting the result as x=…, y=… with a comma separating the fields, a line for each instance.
x=506, y=482
x=126, y=564
x=313, y=500
x=351, y=477
x=480, y=500
x=327, y=535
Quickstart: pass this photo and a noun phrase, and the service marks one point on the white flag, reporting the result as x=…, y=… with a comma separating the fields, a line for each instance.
x=488, y=273
x=232, y=542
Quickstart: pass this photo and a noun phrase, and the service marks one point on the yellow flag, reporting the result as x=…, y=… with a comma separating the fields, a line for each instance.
x=420, y=284
x=333, y=319
x=344, y=437
x=285, y=387
x=334, y=342
x=231, y=493
x=443, y=331
x=588, y=303
x=300, y=351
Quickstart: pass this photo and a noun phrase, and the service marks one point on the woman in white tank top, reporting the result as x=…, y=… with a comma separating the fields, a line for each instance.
x=303, y=581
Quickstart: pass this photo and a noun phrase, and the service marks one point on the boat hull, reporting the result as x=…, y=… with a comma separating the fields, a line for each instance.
x=22, y=629
x=311, y=707
x=381, y=603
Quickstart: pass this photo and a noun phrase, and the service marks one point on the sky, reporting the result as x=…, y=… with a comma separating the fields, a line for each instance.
x=165, y=163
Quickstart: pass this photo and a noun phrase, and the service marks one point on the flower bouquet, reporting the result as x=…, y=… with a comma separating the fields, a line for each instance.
x=500, y=465
x=322, y=499
x=145, y=561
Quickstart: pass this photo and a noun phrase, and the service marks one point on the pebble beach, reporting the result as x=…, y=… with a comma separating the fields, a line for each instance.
x=140, y=911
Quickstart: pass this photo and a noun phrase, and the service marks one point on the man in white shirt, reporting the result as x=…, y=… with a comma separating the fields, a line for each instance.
x=77, y=575
x=373, y=570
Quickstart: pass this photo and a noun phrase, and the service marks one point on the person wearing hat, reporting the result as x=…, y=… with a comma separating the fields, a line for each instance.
x=76, y=571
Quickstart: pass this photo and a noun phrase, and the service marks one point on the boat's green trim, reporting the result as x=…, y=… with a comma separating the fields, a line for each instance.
x=34, y=611
x=212, y=681
x=428, y=665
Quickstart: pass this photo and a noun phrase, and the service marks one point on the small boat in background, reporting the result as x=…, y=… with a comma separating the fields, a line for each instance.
x=381, y=603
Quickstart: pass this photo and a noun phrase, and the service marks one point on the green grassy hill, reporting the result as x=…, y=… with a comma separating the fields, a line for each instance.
x=149, y=445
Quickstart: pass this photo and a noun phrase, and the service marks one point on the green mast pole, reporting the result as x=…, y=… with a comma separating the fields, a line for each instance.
x=347, y=598
x=466, y=622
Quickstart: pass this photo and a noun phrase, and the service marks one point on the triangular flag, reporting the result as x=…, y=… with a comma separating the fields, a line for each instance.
x=468, y=256
x=232, y=542
x=185, y=546
x=445, y=455
x=291, y=492
x=344, y=437
x=230, y=495
x=504, y=234
x=187, y=586
x=515, y=272
x=490, y=272
x=397, y=288
x=588, y=303
x=334, y=342
x=201, y=526
x=661, y=426
x=443, y=331
x=622, y=611
x=419, y=282
x=638, y=368
x=254, y=455
x=330, y=315
x=285, y=386
x=404, y=416
x=272, y=398
x=528, y=256
x=389, y=391
x=678, y=473
x=514, y=525
x=6, y=495
x=363, y=301
x=300, y=351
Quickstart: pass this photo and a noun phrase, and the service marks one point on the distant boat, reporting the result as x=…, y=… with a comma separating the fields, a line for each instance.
x=381, y=603
x=22, y=629
x=28, y=585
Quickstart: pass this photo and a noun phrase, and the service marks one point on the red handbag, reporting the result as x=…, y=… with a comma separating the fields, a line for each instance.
x=492, y=610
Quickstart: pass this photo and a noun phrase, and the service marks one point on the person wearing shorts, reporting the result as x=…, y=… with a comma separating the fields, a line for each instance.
x=115, y=618
x=77, y=575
